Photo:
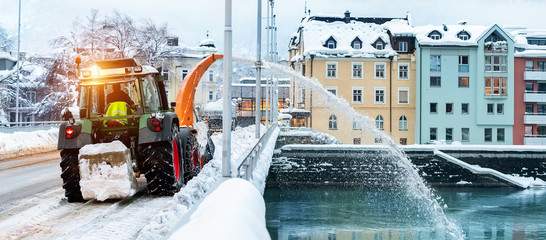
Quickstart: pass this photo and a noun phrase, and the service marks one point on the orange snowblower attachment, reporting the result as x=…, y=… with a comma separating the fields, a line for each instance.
x=186, y=92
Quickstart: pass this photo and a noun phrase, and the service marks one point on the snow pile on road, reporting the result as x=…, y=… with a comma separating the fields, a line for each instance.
x=26, y=143
x=106, y=171
x=242, y=140
x=244, y=218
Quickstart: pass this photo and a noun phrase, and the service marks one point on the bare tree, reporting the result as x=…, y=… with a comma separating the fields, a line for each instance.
x=151, y=39
x=120, y=33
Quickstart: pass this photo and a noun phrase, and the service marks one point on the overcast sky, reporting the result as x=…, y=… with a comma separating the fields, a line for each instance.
x=43, y=20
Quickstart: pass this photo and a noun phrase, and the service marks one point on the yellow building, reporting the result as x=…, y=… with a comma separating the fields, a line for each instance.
x=369, y=62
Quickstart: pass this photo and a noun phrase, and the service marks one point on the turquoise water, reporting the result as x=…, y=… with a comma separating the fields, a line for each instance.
x=482, y=213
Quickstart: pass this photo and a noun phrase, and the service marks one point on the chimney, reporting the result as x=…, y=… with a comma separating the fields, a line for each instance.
x=347, y=18
x=445, y=27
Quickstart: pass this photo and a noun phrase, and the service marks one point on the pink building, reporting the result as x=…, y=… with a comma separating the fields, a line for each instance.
x=530, y=87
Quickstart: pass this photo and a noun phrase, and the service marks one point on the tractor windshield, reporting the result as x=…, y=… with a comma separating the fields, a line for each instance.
x=95, y=99
x=150, y=95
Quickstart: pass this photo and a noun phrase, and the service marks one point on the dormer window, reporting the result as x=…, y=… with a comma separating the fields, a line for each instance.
x=463, y=35
x=356, y=44
x=331, y=43
x=379, y=45
x=435, y=35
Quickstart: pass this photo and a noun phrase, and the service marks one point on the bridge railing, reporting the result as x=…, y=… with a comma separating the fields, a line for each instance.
x=11, y=127
x=248, y=161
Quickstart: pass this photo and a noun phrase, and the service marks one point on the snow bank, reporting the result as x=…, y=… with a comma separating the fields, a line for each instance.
x=235, y=210
x=106, y=171
x=26, y=143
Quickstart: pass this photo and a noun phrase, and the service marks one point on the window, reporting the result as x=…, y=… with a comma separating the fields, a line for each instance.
x=435, y=63
x=449, y=134
x=379, y=45
x=403, y=141
x=331, y=69
x=541, y=66
x=211, y=95
x=331, y=43
x=403, y=123
x=495, y=86
x=433, y=133
x=463, y=35
x=529, y=87
x=465, y=134
x=463, y=82
x=435, y=81
x=211, y=76
x=464, y=108
x=379, y=96
x=488, y=135
x=500, y=134
x=380, y=70
x=379, y=123
x=357, y=94
x=403, y=95
x=356, y=44
x=356, y=141
x=495, y=63
x=31, y=97
x=184, y=73
x=357, y=70
x=301, y=95
x=528, y=65
x=529, y=108
x=332, y=90
x=433, y=107
x=402, y=46
x=500, y=108
x=332, y=122
x=356, y=124
x=378, y=140
x=528, y=130
x=463, y=64
x=403, y=71
x=449, y=108
x=490, y=107
x=435, y=35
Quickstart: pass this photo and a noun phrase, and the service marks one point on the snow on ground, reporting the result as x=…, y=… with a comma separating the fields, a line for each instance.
x=240, y=216
x=242, y=140
x=26, y=143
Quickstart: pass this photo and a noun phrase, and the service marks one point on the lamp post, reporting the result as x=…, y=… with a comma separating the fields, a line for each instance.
x=259, y=70
x=18, y=67
x=226, y=119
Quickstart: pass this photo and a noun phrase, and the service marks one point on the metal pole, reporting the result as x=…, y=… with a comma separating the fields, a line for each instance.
x=276, y=101
x=268, y=55
x=259, y=70
x=226, y=118
x=267, y=115
x=18, y=66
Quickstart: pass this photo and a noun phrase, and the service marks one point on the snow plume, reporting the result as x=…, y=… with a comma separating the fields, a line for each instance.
x=27, y=143
x=242, y=140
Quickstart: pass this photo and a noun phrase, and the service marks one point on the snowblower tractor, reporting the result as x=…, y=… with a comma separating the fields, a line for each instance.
x=120, y=100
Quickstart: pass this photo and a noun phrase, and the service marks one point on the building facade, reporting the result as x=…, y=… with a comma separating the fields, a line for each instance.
x=530, y=87
x=465, y=88
x=368, y=62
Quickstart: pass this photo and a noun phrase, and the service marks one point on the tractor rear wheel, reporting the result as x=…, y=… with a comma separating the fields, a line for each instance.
x=192, y=163
x=71, y=175
x=163, y=165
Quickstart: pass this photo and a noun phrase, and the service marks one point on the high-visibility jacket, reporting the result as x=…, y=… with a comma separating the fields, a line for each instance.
x=118, y=109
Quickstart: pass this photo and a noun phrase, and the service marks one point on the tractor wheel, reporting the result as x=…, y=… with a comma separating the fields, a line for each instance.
x=163, y=165
x=192, y=164
x=71, y=175
x=209, y=150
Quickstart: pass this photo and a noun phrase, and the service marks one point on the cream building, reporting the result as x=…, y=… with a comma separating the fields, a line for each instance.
x=369, y=62
x=178, y=61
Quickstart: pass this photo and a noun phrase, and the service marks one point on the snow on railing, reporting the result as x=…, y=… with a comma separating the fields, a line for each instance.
x=482, y=171
x=248, y=162
x=11, y=127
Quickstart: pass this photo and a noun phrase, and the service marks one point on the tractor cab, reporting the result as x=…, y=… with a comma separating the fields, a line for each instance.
x=115, y=95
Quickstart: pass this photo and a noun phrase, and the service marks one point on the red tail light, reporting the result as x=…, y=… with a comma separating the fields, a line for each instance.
x=156, y=124
x=69, y=131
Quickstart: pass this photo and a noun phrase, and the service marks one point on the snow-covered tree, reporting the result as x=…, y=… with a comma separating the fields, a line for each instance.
x=151, y=40
x=6, y=41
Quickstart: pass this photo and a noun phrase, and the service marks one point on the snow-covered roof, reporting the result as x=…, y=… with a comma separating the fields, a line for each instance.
x=521, y=36
x=5, y=55
x=450, y=34
x=316, y=30
x=207, y=42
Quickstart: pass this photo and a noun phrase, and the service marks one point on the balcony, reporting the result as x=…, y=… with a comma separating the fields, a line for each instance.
x=534, y=96
x=534, y=140
x=534, y=118
x=535, y=74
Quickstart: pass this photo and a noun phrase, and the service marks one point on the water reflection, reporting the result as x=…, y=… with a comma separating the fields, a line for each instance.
x=482, y=213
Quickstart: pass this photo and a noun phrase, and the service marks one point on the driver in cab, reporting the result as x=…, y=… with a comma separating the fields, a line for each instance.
x=119, y=104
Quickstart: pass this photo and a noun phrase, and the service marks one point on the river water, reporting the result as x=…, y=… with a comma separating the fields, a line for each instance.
x=348, y=213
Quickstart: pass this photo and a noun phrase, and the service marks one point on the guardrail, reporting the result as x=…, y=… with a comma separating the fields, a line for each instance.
x=11, y=127
x=248, y=162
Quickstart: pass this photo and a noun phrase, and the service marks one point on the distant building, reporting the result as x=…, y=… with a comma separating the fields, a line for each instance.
x=465, y=84
x=369, y=62
x=177, y=62
x=530, y=87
